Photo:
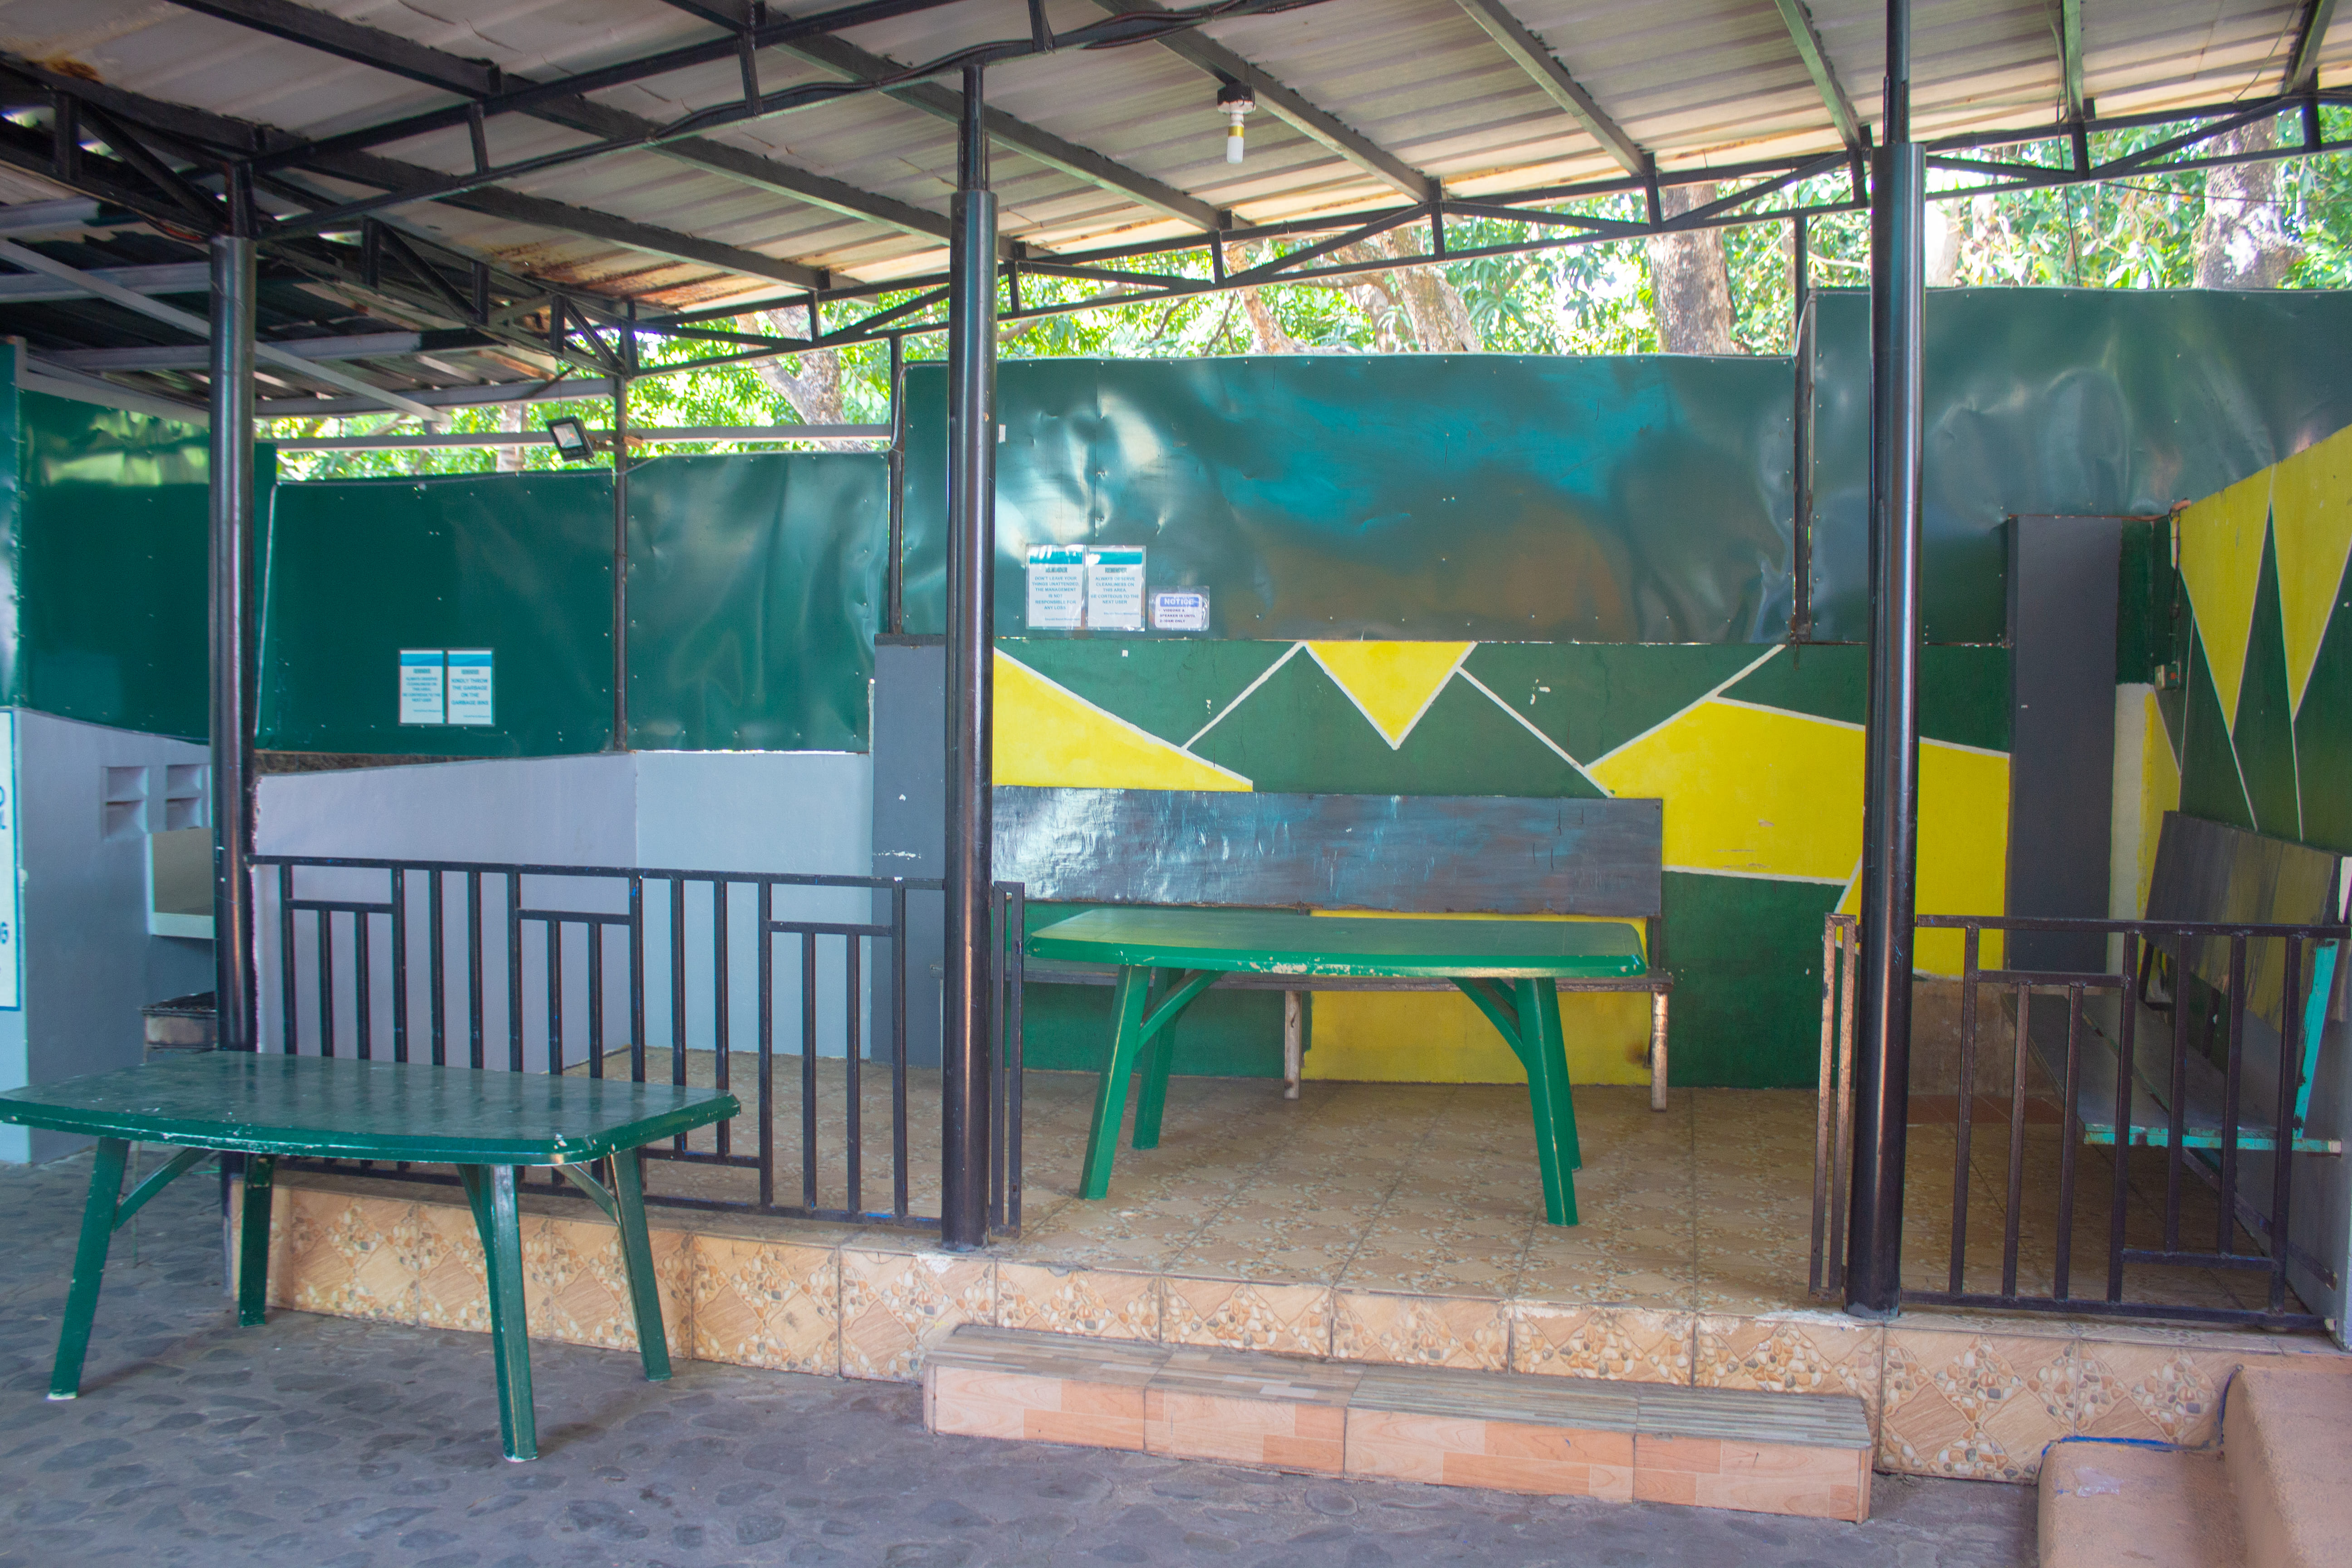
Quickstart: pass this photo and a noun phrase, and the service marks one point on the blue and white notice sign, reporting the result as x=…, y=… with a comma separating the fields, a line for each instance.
x=12, y=988
x=470, y=686
x=420, y=687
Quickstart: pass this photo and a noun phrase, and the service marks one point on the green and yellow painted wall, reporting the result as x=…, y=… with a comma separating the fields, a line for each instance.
x=1757, y=753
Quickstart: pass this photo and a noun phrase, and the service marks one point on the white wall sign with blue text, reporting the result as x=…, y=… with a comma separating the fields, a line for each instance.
x=1115, y=588
x=12, y=987
x=1056, y=587
x=421, y=686
x=470, y=686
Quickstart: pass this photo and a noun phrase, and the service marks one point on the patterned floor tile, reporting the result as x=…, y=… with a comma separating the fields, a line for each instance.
x=1098, y=1303
x=762, y=1304
x=1631, y=1344
x=452, y=1292
x=1806, y=1353
x=341, y=1254
x=1420, y=1331
x=894, y=1305
x=576, y=1283
x=1245, y=1315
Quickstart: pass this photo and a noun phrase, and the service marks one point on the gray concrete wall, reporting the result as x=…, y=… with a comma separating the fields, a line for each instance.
x=89, y=962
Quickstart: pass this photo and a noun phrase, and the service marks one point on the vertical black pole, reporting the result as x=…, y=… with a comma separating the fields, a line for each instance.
x=1801, y=429
x=894, y=577
x=965, y=1060
x=620, y=562
x=1890, y=842
x=231, y=614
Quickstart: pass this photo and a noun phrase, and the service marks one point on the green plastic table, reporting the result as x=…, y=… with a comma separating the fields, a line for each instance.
x=485, y=1124
x=1201, y=946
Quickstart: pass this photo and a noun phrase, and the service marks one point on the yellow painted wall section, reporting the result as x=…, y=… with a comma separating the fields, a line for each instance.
x=1047, y=734
x=1435, y=1037
x=1391, y=683
x=1752, y=790
x=2221, y=564
x=2311, y=515
x=1963, y=849
x=2159, y=792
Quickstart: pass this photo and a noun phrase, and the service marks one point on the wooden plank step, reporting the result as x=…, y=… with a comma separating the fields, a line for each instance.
x=1769, y=1453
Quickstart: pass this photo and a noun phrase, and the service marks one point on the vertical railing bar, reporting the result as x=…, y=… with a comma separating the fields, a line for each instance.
x=855, y=1083
x=399, y=964
x=288, y=981
x=2063, y=1265
x=2232, y=1084
x=995, y=994
x=808, y=1069
x=437, y=1005
x=2290, y=1087
x=514, y=972
x=555, y=997
x=767, y=1045
x=898, y=1050
x=1850, y=937
x=326, y=929
x=2177, y=1118
x=1963, y=1130
x=636, y=979
x=2012, y=1220
x=1016, y=1051
x=1823, y=1097
x=595, y=935
x=2126, y=1043
x=363, y=973
x=719, y=887
x=474, y=960
x=677, y=991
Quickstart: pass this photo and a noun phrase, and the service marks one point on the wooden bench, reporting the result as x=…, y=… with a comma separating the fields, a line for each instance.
x=1490, y=854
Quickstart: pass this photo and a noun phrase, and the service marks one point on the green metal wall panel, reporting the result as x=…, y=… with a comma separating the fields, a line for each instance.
x=109, y=564
x=754, y=587
x=2092, y=401
x=1448, y=496
x=357, y=570
x=2323, y=735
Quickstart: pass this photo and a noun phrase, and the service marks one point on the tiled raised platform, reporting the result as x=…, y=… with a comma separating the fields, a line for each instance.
x=1766, y=1453
x=1392, y=1224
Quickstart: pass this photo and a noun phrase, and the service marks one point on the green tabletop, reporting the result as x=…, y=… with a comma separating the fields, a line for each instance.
x=336, y=1108
x=1275, y=941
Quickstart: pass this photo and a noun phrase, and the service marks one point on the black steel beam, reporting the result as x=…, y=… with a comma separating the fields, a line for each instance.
x=2070, y=62
x=230, y=558
x=1799, y=20
x=1890, y=842
x=969, y=1001
x=2310, y=37
x=1289, y=106
x=480, y=81
x=1543, y=67
x=1005, y=130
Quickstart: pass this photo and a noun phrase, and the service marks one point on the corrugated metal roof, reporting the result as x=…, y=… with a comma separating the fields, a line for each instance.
x=1697, y=83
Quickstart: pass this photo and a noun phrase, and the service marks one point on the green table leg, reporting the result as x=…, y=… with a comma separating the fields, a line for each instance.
x=491, y=1190
x=636, y=1251
x=1545, y=1055
x=89, y=1265
x=253, y=1242
x=1110, y=1092
x=1159, y=1055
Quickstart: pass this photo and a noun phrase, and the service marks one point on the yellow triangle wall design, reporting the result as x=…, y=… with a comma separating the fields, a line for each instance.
x=2311, y=515
x=1391, y=683
x=1048, y=735
x=2222, y=562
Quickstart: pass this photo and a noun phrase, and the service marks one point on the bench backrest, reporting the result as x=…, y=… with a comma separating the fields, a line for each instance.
x=2211, y=871
x=1411, y=854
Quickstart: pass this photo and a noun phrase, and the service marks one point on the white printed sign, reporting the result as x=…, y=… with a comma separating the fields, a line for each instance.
x=1115, y=588
x=469, y=685
x=12, y=990
x=1056, y=587
x=1181, y=610
x=420, y=687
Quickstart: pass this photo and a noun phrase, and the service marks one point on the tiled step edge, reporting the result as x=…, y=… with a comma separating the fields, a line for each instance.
x=1766, y=1453
x=2287, y=1444
x=2123, y=1505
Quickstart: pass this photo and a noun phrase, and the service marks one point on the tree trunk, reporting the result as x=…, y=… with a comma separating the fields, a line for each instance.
x=509, y=459
x=811, y=382
x=1690, y=283
x=1432, y=306
x=2241, y=241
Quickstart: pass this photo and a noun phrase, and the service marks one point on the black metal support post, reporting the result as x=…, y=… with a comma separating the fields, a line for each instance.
x=894, y=571
x=1801, y=427
x=620, y=564
x=1891, y=784
x=231, y=568
x=966, y=1057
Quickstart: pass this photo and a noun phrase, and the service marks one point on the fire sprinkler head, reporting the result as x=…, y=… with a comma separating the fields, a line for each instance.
x=1236, y=100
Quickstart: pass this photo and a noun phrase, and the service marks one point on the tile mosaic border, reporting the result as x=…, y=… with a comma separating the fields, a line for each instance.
x=1977, y=1397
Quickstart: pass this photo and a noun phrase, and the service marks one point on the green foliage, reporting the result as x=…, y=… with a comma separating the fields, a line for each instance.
x=2134, y=232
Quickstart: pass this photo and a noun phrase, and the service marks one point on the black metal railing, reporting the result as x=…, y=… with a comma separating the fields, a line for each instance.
x=654, y=972
x=2194, y=1134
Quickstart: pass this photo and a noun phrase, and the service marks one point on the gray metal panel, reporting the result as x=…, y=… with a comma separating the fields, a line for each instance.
x=2062, y=586
x=1420, y=854
x=911, y=732
x=2212, y=871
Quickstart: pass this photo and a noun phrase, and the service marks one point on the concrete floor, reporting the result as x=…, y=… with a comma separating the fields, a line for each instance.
x=329, y=1443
